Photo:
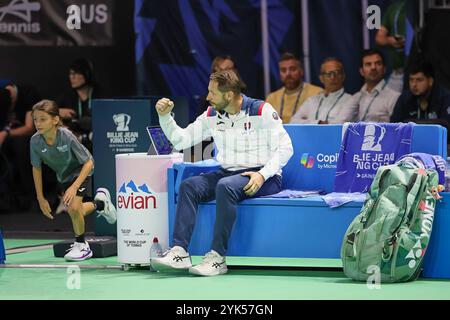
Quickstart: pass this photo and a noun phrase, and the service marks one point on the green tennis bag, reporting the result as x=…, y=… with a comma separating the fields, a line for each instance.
x=389, y=238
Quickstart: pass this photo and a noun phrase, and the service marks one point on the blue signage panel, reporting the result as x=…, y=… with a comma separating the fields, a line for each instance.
x=119, y=126
x=316, y=152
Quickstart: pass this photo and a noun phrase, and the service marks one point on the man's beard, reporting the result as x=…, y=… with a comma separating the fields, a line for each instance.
x=419, y=94
x=375, y=76
x=221, y=105
x=292, y=84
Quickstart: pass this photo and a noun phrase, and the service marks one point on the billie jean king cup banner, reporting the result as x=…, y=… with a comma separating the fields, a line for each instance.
x=142, y=204
x=367, y=146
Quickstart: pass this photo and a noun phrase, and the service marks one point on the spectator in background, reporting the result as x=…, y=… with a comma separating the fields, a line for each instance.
x=288, y=100
x=16, y=125
x=392, y=35
x=425, y=101
x=75, y=105
x=220, y=63
x=331, y=105
x=375, y=101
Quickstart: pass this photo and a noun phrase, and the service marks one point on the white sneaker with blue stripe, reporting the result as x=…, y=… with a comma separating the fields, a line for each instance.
x=175, y=258
x=213, y=264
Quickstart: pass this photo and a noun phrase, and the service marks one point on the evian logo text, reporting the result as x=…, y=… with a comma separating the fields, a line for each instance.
x=135, y=197
x=21, y=9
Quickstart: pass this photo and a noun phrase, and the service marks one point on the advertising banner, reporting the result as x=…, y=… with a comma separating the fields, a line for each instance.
x=56, y=23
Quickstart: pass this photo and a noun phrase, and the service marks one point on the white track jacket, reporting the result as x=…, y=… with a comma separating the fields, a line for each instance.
x=254, y=137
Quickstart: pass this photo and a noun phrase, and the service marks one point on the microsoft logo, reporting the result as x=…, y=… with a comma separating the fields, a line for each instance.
x=307, y=161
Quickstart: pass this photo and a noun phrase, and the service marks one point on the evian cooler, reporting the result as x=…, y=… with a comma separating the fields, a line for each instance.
x=142, y=205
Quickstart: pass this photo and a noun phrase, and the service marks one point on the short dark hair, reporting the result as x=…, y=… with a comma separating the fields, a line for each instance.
x=425, y=67
x=228, y=80
x=85, y=67
x=371, y=52
x=289, y=56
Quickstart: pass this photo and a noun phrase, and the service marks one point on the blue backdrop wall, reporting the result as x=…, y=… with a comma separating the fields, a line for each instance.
x=176, y=41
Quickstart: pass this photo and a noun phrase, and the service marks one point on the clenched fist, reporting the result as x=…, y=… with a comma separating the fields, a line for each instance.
x=164, y=106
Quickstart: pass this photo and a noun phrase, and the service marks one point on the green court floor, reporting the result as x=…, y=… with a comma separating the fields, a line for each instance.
x=238, y=284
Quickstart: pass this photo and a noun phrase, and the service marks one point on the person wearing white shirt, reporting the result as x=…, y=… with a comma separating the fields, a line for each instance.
x=375, y=101
x=252, y=147
x=331, y=106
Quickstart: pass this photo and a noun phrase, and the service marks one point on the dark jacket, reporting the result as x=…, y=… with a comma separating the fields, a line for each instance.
x=407, y=107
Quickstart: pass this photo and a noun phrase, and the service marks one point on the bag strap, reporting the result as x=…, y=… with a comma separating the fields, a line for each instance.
x=417, y=187
x=374, y=192
x=376, y=184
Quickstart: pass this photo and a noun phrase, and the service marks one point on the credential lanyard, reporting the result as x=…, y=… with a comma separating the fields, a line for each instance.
x=332, y=107
x=80, y=105
x=371, y=101
x=294, y=110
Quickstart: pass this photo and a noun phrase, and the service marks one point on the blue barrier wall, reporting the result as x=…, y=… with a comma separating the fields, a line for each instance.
x=271, y=227
x=316, y=150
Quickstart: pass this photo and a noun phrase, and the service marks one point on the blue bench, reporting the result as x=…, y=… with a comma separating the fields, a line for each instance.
x=306, y=227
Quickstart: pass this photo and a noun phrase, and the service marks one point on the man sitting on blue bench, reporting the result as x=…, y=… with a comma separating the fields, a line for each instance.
x=252, y=147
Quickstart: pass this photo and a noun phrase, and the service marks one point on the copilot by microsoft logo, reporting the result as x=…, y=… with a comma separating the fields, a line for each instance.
x=307, y=161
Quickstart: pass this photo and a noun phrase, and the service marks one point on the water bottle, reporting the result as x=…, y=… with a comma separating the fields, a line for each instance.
x=447, y=176
x=155, y=252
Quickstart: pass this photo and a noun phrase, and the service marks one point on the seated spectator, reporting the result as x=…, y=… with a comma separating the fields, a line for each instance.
x=288, y=100
x=375, y=101
x=220, y=63
x=425, y=99
x=331, y=105
x=16, y=125
x=75, y=104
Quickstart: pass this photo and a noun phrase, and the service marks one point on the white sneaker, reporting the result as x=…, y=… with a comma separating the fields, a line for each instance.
x=213, y=264
x=109, y=212
x=78, y=252
x=175, y=258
